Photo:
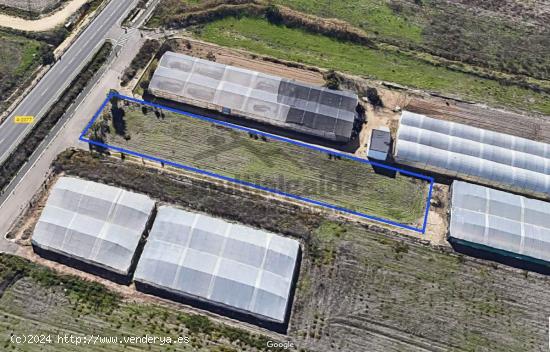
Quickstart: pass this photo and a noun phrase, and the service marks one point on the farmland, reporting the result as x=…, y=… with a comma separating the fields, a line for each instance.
x=360, y=287
x=19, y=57
x=36, y=300
x=259, y=36
x=511, y=36
x=263, y=161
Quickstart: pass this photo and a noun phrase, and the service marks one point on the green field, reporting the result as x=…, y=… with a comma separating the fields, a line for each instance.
x=269, y=163
x=18, y=59
x=374, y=16
x=259, y=36
x=497, y=34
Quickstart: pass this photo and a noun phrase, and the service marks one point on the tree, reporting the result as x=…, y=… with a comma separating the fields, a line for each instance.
x=273, y=15
x=374, y=98
x=117, y=113
x=332, y=79
x=46, y=54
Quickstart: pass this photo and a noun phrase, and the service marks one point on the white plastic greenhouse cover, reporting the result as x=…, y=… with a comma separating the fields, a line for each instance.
x=313, y=110
x=92, y=222
x=500, y=220
x=227, y=264
x=460, y=150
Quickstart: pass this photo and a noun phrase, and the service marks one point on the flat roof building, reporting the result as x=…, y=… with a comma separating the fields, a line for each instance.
x=92, y=226
x=220, y=266
x=380, y=144
x=296, y=106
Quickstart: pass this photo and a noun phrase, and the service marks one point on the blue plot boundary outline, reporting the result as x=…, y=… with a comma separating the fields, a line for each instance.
x=253, y=185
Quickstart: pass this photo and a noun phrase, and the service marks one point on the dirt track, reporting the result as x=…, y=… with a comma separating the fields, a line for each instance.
x=242, y=59
x=45, y=23
x=530, y=127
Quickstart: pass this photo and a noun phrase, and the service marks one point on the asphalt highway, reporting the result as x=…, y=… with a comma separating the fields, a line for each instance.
x=50, y=87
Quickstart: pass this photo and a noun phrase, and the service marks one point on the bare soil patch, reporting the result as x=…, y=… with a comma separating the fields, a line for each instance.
x=249, y=61
x=45, y=23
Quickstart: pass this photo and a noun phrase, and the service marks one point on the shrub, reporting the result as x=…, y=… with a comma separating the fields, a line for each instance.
x=46, y=53
x=145, y=54
x=273, y=15
x=374, y=98
x=332, y=80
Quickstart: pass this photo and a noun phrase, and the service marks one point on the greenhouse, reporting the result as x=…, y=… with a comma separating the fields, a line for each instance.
x=233, y=268
x=505, y=223
x=274, y=100
x=92, y=226
x=471, y=153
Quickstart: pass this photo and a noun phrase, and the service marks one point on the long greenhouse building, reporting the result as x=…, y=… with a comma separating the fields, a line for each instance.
x=93, y=227
x=273, y=100
x=492, y=221
x=224, y=267
x=471, y=153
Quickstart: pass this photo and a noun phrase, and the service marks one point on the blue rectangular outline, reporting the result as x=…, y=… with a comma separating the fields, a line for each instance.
x=421, y=230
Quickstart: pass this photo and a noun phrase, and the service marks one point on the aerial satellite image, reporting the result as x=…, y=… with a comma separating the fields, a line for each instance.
x=275, y=175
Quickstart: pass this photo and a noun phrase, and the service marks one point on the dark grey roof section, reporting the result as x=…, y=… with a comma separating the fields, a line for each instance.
x=229, y=265
x=380, y=143
x=380, y=140
x=278, y=101
x=318, y=108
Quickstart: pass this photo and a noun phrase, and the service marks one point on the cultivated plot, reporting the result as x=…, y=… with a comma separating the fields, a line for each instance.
x=261, y=160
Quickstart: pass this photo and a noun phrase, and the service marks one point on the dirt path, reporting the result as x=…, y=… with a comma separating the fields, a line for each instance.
x=245, y=60
x=43, y=24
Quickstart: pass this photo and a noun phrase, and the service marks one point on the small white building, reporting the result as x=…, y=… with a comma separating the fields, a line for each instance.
x=380, y=143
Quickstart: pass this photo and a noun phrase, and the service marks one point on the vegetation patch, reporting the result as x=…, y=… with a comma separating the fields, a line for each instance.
x=277, y=165
x=19, y=58
x=144, y=55
x=416, y=32
x=498, y=39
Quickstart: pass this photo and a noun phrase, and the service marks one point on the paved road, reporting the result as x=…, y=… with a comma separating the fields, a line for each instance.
x=25, y=185
x=47, y=91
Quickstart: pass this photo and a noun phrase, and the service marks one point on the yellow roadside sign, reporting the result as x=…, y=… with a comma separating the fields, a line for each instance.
x=24, y=119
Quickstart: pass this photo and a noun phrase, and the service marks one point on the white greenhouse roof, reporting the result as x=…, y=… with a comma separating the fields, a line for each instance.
x=500, y=220
x=465, y=151
x=93, y=222
x=314, y=110
x=227, y=264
